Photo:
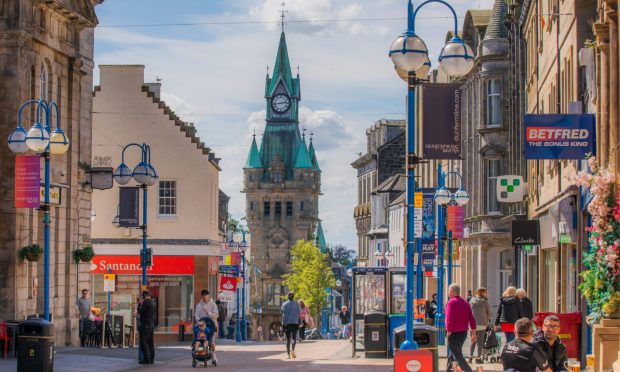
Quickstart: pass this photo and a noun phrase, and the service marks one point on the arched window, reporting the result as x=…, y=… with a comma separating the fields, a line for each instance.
x=44, y=83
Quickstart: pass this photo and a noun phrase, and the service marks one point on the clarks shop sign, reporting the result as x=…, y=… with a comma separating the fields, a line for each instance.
x=565, y=136
x=525, y=232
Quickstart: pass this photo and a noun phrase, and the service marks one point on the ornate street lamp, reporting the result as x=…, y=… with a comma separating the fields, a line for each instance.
x=409, y=54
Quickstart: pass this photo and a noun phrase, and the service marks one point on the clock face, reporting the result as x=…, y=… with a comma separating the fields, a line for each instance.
x=280, y=103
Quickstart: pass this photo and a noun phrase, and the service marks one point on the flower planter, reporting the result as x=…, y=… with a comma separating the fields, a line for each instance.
x=32, y=257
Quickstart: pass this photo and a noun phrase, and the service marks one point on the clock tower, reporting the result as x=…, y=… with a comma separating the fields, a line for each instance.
x=282, y=184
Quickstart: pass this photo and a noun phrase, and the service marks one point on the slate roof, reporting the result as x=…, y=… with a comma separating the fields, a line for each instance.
x=496, y=28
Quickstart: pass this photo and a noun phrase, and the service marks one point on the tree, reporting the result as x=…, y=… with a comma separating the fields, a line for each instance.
x=342, y=254
x=310, y=275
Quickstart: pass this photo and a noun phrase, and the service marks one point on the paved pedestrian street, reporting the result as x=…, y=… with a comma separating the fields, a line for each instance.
x=333, y=355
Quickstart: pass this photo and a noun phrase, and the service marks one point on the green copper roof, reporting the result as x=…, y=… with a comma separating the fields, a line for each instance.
x=254, y=159
x=303, y=159
x=320, y=238
x=282, y=140
x=282, y=70
x=315, y=162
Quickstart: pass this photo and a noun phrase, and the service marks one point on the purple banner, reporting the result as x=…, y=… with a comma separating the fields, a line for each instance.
x=441, y=121
x=27, y=181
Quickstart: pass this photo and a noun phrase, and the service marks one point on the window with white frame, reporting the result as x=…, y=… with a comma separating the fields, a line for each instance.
x=494, y=102
x=167, y=198
x=493, y=166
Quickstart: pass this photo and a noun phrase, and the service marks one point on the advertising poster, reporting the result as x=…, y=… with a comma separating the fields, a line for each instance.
x=441, y=121
x=456, y=217
x=27, y=181
x=559, y=136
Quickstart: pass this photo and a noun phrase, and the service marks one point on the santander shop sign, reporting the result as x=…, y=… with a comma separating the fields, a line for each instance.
x=162, y=265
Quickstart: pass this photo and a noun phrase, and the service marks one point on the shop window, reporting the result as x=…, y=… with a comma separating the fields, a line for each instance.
x=289, y=209
x=167, y=198
x=266, y=209
x=492, y=173
x=494, y=102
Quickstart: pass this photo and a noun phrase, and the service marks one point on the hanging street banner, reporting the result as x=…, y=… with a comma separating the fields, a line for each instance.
x=559, y=136
x=456, y=219
x=428, y=254
x=441, y=121
x=27, y=181
x=129, y=207
x=525, y=232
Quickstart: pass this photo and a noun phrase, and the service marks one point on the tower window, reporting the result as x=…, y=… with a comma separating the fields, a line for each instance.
x=251, y=177
x=277, y=177
x=267, y=209
x=289, y=209
x=251, y=205
x=278, y=209
x=301, y=206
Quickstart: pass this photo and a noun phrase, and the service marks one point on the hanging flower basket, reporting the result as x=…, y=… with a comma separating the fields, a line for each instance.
x=85, y=254
x=30, y=252
x=601, y=279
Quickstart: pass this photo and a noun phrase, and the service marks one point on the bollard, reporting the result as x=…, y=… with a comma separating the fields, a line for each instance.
x=181, y=332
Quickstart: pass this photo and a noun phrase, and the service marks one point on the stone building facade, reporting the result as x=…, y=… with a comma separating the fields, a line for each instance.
x=282, y=183
x=46, y=51
x=369, y=175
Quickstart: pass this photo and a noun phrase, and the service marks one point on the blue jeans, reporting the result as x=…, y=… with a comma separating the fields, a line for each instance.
x=509, y=336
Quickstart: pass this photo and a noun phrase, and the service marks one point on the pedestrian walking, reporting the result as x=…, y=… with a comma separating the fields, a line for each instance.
x=290, y=323
x=469, y=295
x=508, y=312
x=548, y=341
x=222, y=312
x=459, y=320
x=83, y=305
x=304, y=319
x=526, y=304
x=345, y=321
x=431, y=307
x=206, y=308
x=522, y=354
x=146, y=314
x=482, y=314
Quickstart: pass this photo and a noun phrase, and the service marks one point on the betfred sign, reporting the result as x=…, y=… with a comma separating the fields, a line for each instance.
x=566, y=136
x=168, y=265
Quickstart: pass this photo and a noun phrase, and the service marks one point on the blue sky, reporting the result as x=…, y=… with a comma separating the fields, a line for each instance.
x=213, y=75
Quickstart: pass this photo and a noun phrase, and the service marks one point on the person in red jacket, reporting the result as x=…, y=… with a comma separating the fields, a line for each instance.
x=459, y=320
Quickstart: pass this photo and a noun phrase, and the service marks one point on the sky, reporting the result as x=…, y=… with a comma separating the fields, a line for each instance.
x=212, y=57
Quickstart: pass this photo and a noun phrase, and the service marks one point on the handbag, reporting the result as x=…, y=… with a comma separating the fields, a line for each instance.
x=490, y=340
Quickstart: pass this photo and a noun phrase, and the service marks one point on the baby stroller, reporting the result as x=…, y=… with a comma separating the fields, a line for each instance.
x=491, y=346
x=204, y=352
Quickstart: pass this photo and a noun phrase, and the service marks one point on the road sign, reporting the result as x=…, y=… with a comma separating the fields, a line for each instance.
x=229, y=269
x=109, y=282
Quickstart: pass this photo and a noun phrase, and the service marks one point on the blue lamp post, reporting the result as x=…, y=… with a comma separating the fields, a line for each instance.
x=409, y=53
x=242, y=246
x=443, y=196
x=42, y=140
x=145, y=175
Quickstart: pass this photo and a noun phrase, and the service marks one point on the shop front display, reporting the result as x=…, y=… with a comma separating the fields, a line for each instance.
x=170, y=280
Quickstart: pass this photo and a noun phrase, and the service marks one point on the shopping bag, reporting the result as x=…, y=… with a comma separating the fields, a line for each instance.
x=490, y=341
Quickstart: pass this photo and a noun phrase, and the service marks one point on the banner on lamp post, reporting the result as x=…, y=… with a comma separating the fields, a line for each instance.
x=456, y=217
x=27, y=181
x=441, y=121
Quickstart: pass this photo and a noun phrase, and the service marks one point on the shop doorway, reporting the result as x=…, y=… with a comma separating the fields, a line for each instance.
x=506, y=267
x=550, y=278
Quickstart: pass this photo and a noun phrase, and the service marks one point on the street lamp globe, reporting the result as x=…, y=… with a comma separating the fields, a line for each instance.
x=442, y=196
x=461, y=197
x=408, y=52
x=17, y=140
x=59, y=143
x=153, y=176
x=456, y=58
x=122, y=174
x=37, y=138
x=141, y=173
x=421, y=72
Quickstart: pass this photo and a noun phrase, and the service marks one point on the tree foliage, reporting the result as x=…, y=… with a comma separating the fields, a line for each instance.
x=310, y=275
x=342, y=254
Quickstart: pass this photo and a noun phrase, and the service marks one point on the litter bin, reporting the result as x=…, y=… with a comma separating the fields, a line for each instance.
x=375, y=335
x=36, y=346
x=394, y=321
x=424, y=335
x=570, y=325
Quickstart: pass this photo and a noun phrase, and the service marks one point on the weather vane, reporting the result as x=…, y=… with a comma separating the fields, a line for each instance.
x=283, y=16
x=303, y=129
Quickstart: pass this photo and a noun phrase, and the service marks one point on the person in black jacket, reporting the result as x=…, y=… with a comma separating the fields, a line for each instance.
x=508, y=313
x=146, y=314
x=431, y=307
x=526, y=304
x=549, y=342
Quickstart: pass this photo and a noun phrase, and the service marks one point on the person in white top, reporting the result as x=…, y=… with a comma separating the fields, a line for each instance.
x=206, y=308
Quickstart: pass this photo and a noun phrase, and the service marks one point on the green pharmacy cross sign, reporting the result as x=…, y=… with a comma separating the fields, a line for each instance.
x=510, y=189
